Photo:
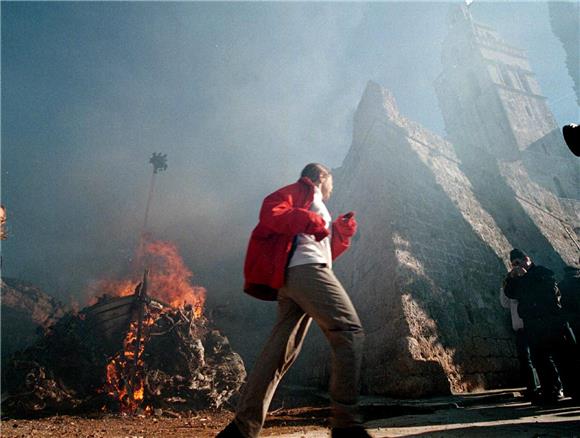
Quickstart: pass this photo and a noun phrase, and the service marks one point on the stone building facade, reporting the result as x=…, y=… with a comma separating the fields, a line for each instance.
x=438, y=218
x=565, y=23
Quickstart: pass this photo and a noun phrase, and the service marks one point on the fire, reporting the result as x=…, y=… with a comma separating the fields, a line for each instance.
x=125, y=373
x=114, y=288
x=169, y=282
x=169, y=278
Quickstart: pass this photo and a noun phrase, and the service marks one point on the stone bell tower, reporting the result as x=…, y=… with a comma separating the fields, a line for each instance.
x=488, y=94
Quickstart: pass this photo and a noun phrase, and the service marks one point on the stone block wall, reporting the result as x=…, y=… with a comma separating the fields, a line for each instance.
x=424, y=272
x=438, y=218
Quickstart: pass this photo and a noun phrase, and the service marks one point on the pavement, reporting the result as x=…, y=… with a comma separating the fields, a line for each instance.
x=502, y=413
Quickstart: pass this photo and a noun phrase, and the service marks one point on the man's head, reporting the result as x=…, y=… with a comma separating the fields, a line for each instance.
x=321, y=177
x=519, y=258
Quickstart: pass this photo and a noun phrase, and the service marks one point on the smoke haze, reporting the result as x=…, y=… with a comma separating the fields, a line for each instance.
x=238, y=95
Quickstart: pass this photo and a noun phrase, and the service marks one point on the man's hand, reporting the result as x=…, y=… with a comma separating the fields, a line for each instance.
x=321, y=235
x=518, y=271
x=317, y=227
x=346, y=224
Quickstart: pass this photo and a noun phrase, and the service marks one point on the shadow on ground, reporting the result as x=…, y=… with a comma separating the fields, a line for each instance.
x=458, y=415
x=309, y=416
x=552, y=429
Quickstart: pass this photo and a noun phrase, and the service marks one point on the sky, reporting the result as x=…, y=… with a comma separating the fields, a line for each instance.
x=240, y=96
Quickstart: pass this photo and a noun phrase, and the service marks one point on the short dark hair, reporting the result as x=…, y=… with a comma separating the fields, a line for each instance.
x=315, y=171
x=517, y=254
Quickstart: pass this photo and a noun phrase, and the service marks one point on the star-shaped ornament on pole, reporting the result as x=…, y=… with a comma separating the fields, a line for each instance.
x=159, y=162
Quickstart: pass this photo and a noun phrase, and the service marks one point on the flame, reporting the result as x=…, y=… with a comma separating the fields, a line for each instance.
x=125, y=381
x=169, y=278
x=139, y=392
x=169, y=281
x=115, y=288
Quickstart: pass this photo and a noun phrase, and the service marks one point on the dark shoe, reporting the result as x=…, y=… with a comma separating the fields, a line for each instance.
x=350, y=432
x=531, y=396
x=546, y=400
x=231, y=431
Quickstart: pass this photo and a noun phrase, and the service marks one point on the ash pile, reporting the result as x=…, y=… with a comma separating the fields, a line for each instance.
x=128, y=354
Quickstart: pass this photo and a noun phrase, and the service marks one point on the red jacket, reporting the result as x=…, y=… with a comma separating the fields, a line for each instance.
x=284, y=214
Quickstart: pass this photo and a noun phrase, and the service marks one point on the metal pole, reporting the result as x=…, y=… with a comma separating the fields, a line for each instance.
x=148, y=206
x=159, y=162
x=141, y=300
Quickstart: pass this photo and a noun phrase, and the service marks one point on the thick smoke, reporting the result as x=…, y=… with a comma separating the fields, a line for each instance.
x=239, y=95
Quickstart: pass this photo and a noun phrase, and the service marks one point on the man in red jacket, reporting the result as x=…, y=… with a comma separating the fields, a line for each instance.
x=290, y=258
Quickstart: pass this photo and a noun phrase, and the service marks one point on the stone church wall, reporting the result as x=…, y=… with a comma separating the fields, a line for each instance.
x=425, y=270
x=438, y=217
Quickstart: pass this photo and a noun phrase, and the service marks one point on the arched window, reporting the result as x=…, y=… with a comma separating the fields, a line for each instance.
x=505, y=76
x=524, y=81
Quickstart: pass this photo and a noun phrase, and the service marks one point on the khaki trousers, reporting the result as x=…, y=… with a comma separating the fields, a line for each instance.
x=311, y=292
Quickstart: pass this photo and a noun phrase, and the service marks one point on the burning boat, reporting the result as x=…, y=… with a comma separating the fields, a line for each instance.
x=129, y=353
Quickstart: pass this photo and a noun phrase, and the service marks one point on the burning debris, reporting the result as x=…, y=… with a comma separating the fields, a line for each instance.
x=136, y=349
x=143, y=345
x=181, y=363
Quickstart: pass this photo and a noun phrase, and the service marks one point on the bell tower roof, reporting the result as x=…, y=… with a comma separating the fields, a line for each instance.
x=458, y=15
x=487, y=91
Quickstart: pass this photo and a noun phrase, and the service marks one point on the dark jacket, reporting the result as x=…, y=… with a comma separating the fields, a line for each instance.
x=537, y=294
x=570, y=290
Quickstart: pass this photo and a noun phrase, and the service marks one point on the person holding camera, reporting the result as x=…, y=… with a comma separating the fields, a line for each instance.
x=548, y=333
x=528, y=372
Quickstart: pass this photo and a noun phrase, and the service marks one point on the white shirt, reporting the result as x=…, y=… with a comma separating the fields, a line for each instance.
x=308, y=250
x=508, y=303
